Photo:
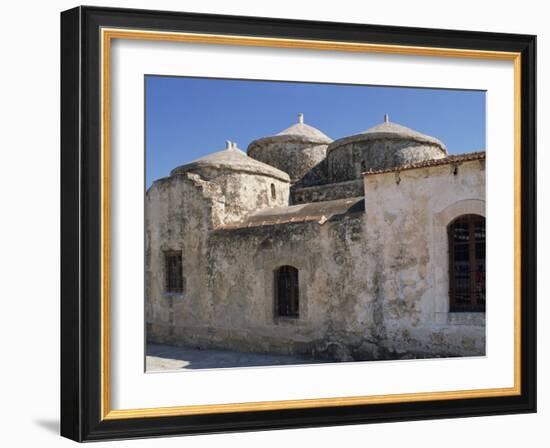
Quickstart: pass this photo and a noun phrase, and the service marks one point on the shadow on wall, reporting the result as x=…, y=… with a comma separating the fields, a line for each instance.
x=51, y=425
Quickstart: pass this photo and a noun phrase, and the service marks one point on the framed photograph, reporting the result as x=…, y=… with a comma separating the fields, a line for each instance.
x=273, y=223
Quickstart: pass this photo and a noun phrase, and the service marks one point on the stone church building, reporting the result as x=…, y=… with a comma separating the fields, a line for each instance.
x=368, y=247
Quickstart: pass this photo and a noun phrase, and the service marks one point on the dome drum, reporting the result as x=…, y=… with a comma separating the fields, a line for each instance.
x=387, y=145
x=300, y=151
x=303, y=162
x=247, y=184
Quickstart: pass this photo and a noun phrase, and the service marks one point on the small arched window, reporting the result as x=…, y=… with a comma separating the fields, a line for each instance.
x=287, y=292
x=273, y=192
x=467, y=264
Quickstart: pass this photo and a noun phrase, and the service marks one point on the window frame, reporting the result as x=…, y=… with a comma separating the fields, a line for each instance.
x=295, y=313
x=473, y=306
x=180, y=289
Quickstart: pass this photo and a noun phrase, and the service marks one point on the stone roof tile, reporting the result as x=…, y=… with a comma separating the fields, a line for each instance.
x=315, y=211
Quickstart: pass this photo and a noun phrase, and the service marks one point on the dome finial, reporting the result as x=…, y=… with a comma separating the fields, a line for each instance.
x=386, y=118
x=301, y=118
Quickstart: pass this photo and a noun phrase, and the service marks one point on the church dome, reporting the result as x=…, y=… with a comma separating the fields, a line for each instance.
x=386, y=145
x=230, y=159
x=297, y=150
x=300, y=132
x=390, y=131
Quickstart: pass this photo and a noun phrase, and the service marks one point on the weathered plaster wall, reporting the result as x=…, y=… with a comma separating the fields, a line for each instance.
x=228, y=300
x=235, y=309
x=407, y=214
x=180, y=212
x=244, y=193
x=372, y=285
x=178, y=216
x=240, y=193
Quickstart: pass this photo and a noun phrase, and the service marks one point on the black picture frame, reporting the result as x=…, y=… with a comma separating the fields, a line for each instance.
x=81, y=224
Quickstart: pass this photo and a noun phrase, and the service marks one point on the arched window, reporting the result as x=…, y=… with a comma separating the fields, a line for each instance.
x=286, y=292
x=273, y=192
x=467, y=263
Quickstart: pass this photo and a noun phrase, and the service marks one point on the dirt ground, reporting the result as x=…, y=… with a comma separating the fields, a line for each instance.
x=166, y=357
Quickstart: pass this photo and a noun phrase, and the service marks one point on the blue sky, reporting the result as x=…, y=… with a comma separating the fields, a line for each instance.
x=187, y=118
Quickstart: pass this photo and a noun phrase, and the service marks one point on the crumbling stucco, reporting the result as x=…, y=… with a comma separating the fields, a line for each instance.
x=372, y=280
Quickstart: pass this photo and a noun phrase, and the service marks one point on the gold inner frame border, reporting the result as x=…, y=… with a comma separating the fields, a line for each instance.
x=107, y=35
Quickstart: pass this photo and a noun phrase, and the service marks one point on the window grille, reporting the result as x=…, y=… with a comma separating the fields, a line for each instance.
x=173, y=272
x=287, y=291
x=467, y=263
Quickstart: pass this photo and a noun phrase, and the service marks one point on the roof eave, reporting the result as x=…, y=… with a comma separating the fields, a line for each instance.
x=274, y=173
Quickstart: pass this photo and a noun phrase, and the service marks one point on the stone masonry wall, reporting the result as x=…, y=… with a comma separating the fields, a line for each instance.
x=327, y=192
x=348, y=161
x=371, y=284
x=242, y=193
x=303, y=162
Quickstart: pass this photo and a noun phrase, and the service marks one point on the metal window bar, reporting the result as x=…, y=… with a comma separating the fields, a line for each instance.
x=467, y=264
x=287, y=292
x=173, y=272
